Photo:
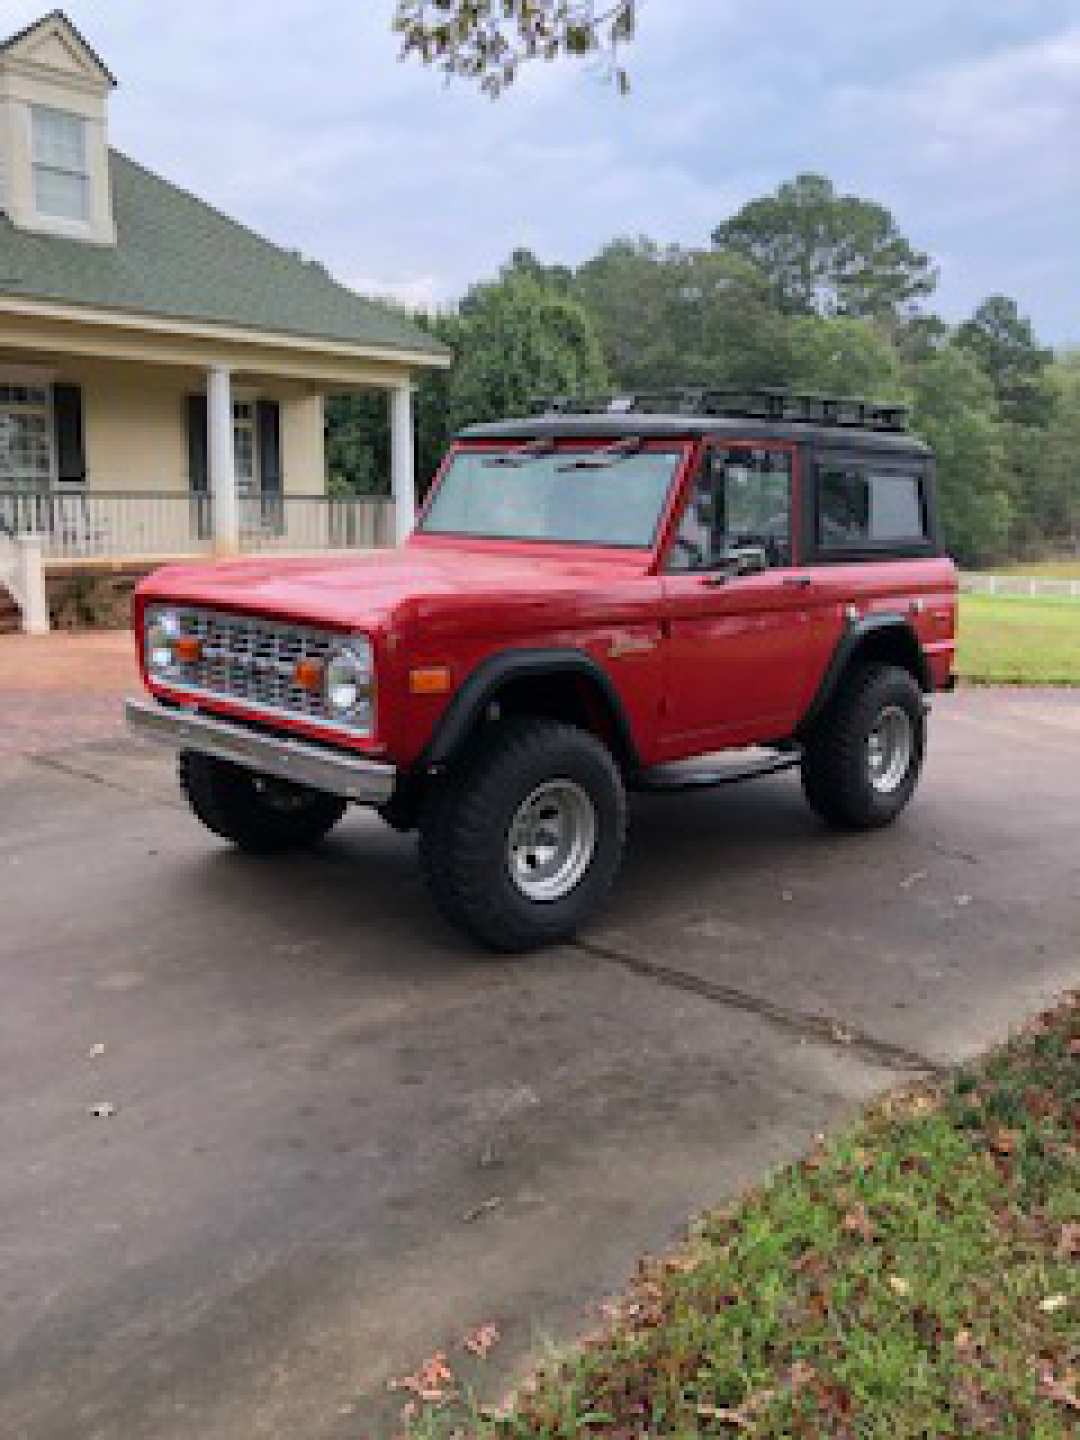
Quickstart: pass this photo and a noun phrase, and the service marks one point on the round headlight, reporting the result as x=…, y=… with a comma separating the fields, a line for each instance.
x=162, y=631
x=347, y=683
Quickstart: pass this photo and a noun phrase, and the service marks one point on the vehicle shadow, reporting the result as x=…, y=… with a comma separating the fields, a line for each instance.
x=358, y=898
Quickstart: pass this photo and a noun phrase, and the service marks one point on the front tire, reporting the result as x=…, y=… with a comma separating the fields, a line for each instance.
x=862, y=762
x=523, y=841
x=261, y=815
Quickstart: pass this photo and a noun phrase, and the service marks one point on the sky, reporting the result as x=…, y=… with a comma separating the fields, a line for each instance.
x=295, y=116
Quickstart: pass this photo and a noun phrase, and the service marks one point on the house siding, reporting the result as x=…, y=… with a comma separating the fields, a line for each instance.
x=134, y=422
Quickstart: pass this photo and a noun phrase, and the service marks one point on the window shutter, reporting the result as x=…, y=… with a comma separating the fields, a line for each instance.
x=198, y=472
x=68, y=420
x=269, y=422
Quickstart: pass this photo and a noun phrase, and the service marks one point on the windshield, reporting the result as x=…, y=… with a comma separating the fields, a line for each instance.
x=588, y=496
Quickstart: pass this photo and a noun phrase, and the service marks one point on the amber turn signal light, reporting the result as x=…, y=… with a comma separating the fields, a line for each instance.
x=430, y=680
x=308, y=675
x=187, y=649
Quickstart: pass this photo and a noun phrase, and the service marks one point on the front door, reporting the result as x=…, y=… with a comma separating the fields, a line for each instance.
x=736, y=609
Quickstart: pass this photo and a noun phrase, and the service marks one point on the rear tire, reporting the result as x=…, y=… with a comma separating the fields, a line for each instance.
x=523, y=840
x=260, y=814
x=862, y=762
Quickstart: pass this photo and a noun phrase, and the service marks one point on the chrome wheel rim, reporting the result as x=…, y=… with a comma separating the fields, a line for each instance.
x=551, y=840
x=889, y=748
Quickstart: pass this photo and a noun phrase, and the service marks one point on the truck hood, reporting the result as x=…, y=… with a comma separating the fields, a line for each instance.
x=379, y=588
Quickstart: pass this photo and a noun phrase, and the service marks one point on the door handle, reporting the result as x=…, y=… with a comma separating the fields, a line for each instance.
x=797, y=582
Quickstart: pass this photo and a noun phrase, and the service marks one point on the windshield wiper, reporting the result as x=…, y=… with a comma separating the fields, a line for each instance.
x=535, y=450
x=601, y=459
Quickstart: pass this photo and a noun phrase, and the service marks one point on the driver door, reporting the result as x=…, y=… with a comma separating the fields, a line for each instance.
x=736, y=611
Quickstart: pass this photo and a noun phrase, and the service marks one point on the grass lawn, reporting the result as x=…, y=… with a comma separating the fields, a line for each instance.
x=916, y=1276
x=1019, y=641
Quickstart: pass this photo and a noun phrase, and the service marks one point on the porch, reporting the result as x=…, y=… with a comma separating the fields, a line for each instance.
x=108, y=461
x=156, y=526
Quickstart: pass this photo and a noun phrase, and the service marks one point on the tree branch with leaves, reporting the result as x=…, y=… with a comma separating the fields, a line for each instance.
x=487, y=41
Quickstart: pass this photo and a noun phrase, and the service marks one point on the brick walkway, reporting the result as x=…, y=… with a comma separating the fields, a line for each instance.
x=63, y=689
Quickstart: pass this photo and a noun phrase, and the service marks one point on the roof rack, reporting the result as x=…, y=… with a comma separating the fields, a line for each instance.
x=757, y=402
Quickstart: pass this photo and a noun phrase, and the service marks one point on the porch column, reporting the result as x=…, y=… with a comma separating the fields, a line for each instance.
x=221, y=462
x=402, y=467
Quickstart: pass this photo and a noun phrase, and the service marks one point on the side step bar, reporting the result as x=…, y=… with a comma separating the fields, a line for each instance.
x=680, y=775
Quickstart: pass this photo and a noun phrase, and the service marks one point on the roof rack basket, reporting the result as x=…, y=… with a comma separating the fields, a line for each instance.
x=764, y=402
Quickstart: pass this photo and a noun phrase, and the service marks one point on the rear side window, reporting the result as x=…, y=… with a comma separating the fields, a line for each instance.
x=859, y=507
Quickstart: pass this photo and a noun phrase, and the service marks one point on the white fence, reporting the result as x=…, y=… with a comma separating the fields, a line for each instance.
x=114, y=524
x=1019, y=586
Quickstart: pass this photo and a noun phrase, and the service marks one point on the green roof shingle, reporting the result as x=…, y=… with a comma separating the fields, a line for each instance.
x=177, y=257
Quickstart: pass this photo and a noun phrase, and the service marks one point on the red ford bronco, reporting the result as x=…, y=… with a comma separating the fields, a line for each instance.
x=590, y=595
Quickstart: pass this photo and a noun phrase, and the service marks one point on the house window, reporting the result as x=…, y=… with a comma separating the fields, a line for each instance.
x=25, y=436
x=61, y=172
x=244, y=454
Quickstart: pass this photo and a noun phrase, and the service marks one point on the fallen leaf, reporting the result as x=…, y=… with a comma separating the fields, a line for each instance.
x=912, y=879
x=858, y=1222
x=96, y=1050
x=1003, y=1142
x=484, y=1208
x=1069, y=1241
x=800, y=1375
x=432, y=1382
x=103, y=1110
x=685, y=1262
x=963, y=900
x=1053, y=1303
x=899, y=1286
x=1074, y=1045
x=482, y=1339
x=738, y=1418
x=1060, y=1391
x=840, y=1034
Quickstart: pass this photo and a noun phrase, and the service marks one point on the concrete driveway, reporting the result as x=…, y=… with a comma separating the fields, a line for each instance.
x=342, y=1137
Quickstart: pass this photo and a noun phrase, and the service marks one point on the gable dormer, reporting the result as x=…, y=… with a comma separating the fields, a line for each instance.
x=54, y=150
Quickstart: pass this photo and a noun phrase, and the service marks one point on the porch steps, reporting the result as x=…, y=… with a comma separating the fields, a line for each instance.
x=10, y=617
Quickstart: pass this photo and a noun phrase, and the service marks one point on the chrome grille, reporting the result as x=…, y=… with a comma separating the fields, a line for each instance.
x=252, y=660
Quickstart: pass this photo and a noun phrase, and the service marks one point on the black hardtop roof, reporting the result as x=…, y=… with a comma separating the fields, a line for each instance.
x=606, y=425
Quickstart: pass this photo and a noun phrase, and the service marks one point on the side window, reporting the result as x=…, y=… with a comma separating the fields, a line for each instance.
x=858, y=507
x=739, y=516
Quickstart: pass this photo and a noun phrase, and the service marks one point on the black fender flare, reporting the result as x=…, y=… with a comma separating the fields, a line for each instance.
x=483, y=684
x=854, y=639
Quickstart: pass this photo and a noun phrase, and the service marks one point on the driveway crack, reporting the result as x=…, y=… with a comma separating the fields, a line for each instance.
x=76, y=772
x=822, y=1029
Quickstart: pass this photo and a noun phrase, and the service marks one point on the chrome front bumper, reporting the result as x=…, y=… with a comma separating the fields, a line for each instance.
x=340, y=772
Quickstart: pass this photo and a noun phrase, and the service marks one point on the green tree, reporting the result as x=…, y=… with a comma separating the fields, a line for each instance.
x=669, y=316
x=519, y=339
x=840, y=355
x=357, y=444
x=1062, y=457
x=487, y=41
x=827, y=253
x=955, y=411
x=1003, y=342
x=358, y=425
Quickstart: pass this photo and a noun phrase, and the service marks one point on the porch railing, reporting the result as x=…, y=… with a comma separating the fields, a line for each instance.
x=115, y=524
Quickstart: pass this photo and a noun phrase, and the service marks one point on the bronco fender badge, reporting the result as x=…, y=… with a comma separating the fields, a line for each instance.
x=630, y=645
